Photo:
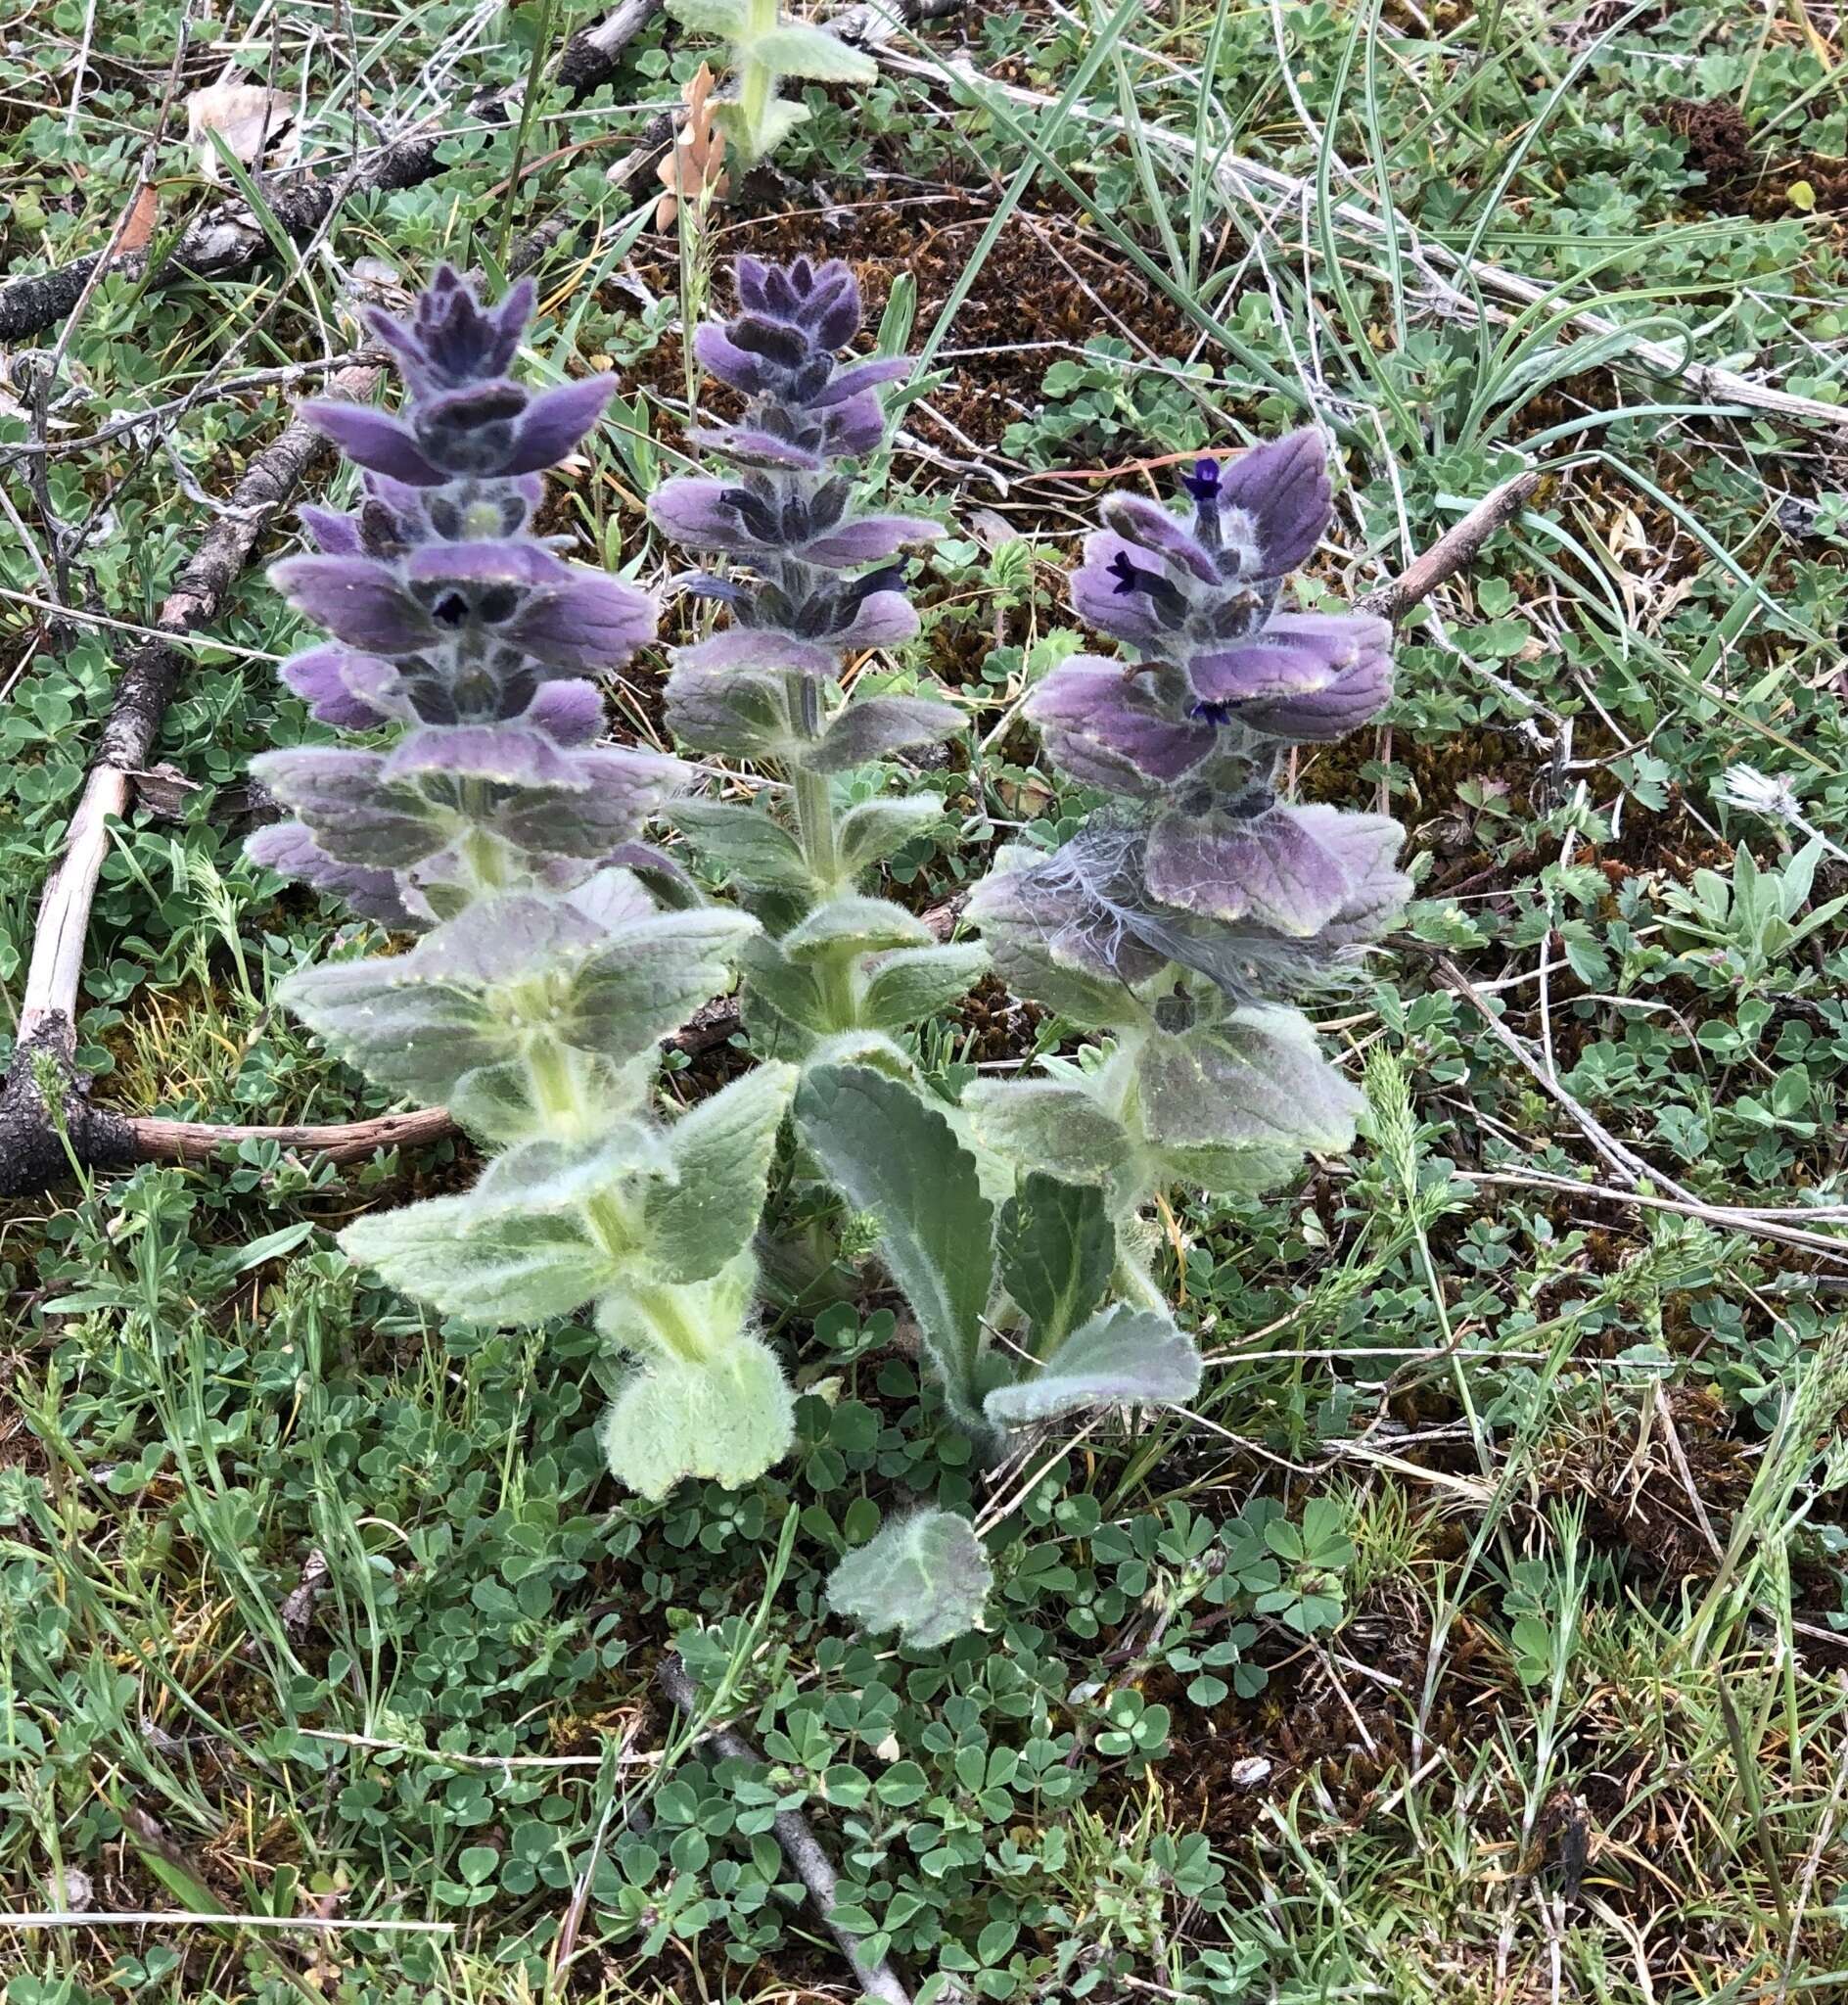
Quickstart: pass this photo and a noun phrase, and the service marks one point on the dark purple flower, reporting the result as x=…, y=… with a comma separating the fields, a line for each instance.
x=491, y=430
x=1109, y=730
x=820, y=302
x=451, y=339
x=1142, y=618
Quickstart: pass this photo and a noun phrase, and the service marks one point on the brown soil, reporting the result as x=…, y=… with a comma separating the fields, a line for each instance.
x=1740, y=179
x=1047, y=279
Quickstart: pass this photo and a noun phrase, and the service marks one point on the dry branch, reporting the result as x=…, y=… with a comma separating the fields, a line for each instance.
x=801, y=1847
x=593, y=54
x=32, y=1151
x=223, y=241
x=228, y=238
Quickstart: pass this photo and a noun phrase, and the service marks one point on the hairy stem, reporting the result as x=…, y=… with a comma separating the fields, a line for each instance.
x=659, y=1303
x=815, y=804
x=757, y=82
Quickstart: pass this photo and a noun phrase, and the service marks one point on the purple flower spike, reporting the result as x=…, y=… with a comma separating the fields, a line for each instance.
x=451, y=339
x=1204, y=868
x=448, y=619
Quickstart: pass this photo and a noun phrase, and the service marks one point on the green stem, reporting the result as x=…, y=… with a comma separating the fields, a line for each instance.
x=660, y=1303
x=815, y=804
x=757, y=82
x=554, y=1082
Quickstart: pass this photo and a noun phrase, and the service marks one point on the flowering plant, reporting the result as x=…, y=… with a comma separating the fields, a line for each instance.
x=556, y=948
x=1189, y=915
x=816, y=580
x=1182, y=923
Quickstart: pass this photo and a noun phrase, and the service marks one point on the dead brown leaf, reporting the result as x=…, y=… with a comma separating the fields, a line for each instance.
x=251, y=120
x=692, y=166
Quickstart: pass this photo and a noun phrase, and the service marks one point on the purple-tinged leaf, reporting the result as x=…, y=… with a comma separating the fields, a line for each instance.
x=868, y=540
x=1107, y=728
x=359, y=600
x=505, y=754
x=372, y=439
x=334, y=535
x=760, y=647
x=352, y=811
x=1098, y=597
x=1274, y=501
x=569, y=712
x=321, y=676
x=291, y=850
x=1270, y=866
x=1309, y=678
x=555, y=422
x=1148, y=525
x=584, y=621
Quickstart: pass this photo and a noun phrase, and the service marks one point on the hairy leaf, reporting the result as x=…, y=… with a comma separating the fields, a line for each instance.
x=726, y=1417
x=1050, y=1125
x=1124, y=1355
x=873, y=726
x=874, y=925
x=926, y=1576
x=872, y=830
x=720, y=1155
x=1056, y=1249
x=917, y=982
x=482, y=1265
x=898, y=1161
x=745, y=844
x=796, y=49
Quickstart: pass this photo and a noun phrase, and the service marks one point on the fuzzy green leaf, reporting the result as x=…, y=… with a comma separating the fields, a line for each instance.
x=744, y=843
x=720, y=1155
x=1056, y=1249
x=873, y=726
x=487, y=1267
x=899, y=1162
x=917, y=982
x=1124, y=1355
x=926, y=1576
x=1049, y=1125
x=726, y=1417
x=874, y=925
x=872, y=830
x=796, y=49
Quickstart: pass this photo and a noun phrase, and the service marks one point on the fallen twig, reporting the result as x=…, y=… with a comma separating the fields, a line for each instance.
x=1452, y=551
x=228, y=238
x=801, y=1846
x=593, y=55
x=32, y=1149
